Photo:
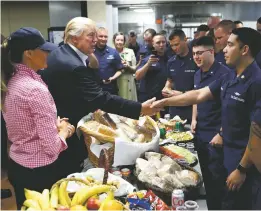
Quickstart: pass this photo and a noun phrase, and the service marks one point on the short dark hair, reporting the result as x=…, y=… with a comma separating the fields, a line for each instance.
x=150, y=31
x=203, y=27
x=226, y=25
x=250, y=37
x=238, y=22
x=203, y=41
x=159, y=34
x=116, y=34
x=177, y=33
x=164, y=32
x=259, y=20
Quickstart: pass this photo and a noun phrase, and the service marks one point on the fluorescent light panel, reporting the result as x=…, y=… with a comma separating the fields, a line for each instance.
x=143, y=10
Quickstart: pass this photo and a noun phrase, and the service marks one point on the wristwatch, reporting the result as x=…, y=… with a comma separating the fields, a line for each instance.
x=241, y=169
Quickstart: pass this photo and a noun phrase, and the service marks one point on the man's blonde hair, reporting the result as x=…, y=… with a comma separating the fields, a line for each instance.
x=77, y=26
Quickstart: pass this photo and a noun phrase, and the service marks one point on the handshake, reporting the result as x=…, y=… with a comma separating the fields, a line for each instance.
x=151, y=107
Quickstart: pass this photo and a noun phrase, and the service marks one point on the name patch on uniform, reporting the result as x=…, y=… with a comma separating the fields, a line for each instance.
x=172, y=70
x=189, y=71
x=221, y=88
x=110, y=57
x=237, y=98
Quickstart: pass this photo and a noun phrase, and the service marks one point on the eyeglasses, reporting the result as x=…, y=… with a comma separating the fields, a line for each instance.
x=199, y=53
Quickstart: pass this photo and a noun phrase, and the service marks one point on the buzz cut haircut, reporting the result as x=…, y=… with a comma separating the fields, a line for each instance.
x=177, y=33
x=226, y=25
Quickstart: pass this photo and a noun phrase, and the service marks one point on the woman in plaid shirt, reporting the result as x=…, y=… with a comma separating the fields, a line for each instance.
x=30, y=114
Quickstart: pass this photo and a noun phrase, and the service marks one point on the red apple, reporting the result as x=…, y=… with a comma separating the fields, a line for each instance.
x=93, y=204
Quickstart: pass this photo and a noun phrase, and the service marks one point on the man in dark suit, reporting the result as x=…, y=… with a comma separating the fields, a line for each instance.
x=73, y=84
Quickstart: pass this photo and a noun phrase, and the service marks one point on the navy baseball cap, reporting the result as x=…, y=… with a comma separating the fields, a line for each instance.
x=132, y=33
x=28, y=38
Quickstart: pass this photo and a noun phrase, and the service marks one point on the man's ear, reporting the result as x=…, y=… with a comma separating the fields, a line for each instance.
x=245, y=49
x=185, y=39
x=74, y=39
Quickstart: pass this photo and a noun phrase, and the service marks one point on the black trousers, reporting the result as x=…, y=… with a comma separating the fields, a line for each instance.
x=4, y=154
x=34, y=179
x=212, y=170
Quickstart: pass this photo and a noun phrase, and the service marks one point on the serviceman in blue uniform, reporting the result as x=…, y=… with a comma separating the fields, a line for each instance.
x=206, y=121
x=239, y=91
x=152, y=72
x=110, y=66
x=181, y=69
x=250, y=165
x=222, y=32
x=147, y=47
x=258, y=25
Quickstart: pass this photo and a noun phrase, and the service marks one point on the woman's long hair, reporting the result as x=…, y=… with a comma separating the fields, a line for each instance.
x=7, y=69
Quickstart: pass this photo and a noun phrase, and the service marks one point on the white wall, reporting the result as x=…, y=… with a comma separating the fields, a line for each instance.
x=136, y=17
x=15, y=15
x=103, y=15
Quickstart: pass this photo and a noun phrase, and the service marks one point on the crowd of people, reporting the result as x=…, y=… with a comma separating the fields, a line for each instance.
x=213, y=81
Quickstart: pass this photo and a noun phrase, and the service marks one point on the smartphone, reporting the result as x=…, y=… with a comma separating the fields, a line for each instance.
x=143, y=53
x=107, y=80
x=154, y=52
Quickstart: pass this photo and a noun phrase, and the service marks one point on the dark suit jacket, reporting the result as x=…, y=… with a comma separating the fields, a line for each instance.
x=76, y=93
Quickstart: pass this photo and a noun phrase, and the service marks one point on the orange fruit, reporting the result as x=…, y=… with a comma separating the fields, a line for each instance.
x=112, y=205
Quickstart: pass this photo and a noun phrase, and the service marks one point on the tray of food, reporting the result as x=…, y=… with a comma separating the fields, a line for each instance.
x=180, y=137
x=180, y=154
x=163, y=174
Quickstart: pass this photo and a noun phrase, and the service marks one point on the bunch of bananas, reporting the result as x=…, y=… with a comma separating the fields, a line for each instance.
x=58, y=196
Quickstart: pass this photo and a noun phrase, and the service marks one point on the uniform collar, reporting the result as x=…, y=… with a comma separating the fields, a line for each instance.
x=248, y=72
x=102, y=50
x=189, y=55
x=212, y=70
x=82, y=56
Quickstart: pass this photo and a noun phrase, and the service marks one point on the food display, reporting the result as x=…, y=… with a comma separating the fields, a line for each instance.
x=87, y=198
x=163, y=172
x=177, y=152
x=172, y=122
x=145, y=200
x=180, y=136
x=107, y=127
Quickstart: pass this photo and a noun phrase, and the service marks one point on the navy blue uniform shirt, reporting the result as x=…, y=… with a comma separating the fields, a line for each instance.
x=239, y=96
x=145, y=50
x=154, y=80
x=258, y=59
x=181, y=71
x=109, y=63
x=219, y=57
x=209, y=112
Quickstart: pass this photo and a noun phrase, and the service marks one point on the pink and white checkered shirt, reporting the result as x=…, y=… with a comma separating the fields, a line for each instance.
x=30, y=115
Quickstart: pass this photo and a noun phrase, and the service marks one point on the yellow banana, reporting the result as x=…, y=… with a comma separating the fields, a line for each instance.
x=31, y=194
x=54, y=197
x=32, y=203
x=64, y=198
x=31, y=209
x=85, y=193
x=44, y=201
x=110, y=196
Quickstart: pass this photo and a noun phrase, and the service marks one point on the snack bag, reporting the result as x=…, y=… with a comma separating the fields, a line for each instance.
x=155, y=202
